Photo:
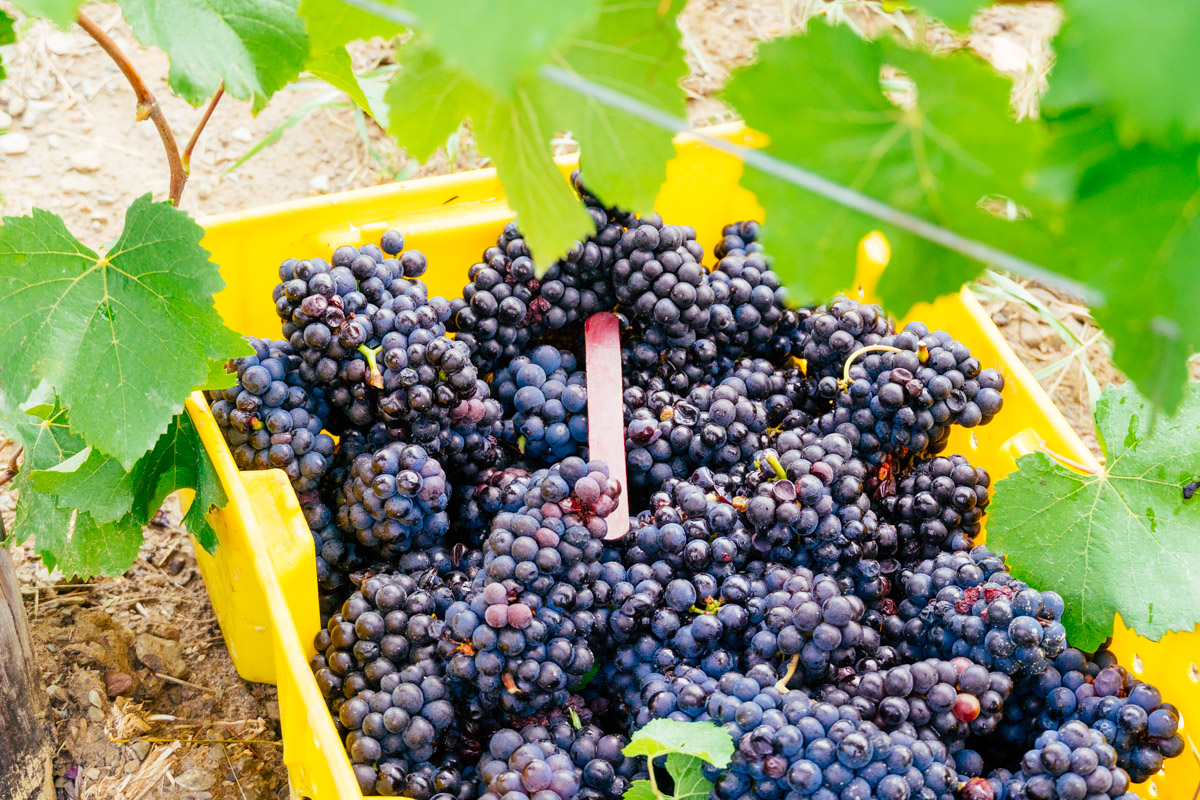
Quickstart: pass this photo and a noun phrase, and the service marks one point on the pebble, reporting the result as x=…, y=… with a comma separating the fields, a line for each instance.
x=75, y=182
x=196, y=780
x=33, y=172
x=16, y=105
x=117, y=683
x=95, y=714
x=35, y=112
x=141, y=750
x=95, y=699
x=88, y=160
x=320, y=183
x=160, y=655
x=5, y=119
x=242, y=134
x=61, y=43
x=93, y=773
x=1030, y=335
x=54, y=140
x=13, y=143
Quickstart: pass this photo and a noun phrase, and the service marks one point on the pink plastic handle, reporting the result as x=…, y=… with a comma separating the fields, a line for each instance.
x=606, y=418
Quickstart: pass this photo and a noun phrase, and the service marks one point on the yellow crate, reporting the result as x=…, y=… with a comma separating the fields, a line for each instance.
x=262, y=578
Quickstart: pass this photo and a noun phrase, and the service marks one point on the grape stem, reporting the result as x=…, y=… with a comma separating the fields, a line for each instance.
x=653, y=780
x=191, y=145
x=773, y=460
x=782, y=683
x=375, y=379
x=844, y=383
x=147, y=105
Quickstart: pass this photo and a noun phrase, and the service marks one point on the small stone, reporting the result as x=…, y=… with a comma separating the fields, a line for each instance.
x=320, y=183
x=1030, y=335
x=205, y=191
x=16, y=105
x=14, y=143
x=95, y=699
x=61, y=43
x=106, y=199
x=95, y=714
x=196, y=780
x=35, y=172
x=74, y=182
x=160, y=655
x=36, y=111
x=117, y=683
x=54, y=140
x=242, y=134
x=141, y=750
x=130, y=767
x=5, y=119
x=272, y=707
x=88, y=160
x=93, y=773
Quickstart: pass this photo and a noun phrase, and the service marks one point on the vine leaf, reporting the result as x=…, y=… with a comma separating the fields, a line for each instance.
x=121, y=337
x=89, y=480
x=1128, y=55
x=332, y=24
x=255, y=48
x=8, y=34
x=955, y=13
x=941, y=151
x=335, y=68
x=71, y=541
x=704, y=740
x=1123, y=541
x=61, y=12
x=1130, y=230
x=631, y=46
x=688, y=774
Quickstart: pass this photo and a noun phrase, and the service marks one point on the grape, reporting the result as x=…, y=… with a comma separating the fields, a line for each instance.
x=271, y=419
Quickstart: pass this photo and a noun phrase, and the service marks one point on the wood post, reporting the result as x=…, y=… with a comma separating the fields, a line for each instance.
x=26, y=749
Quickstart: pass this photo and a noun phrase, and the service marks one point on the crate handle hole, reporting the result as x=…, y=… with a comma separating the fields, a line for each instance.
x=1194, y=673
x=1137, y=664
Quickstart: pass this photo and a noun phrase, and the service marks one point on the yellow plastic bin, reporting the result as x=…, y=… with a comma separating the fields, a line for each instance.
x=262, y=577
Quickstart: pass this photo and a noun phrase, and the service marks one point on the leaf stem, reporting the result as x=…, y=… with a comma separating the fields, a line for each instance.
x=147, y=105
x=653, y=780
x=191, y=145
x=1067, y=462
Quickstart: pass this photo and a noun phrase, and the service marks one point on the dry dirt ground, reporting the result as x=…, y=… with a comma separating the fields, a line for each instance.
x=146, y=702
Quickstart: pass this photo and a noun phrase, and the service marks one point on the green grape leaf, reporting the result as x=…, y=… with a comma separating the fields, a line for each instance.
x=255, y=48
x=8, y=34
x=334, y=68
x=74, y=543
x=88, y=480
x=704, y=740
x=1123, y=541
x=121, y=337
x=498, y=45
x=955, y=13
x=1130, y=230
x=628, y=46
x=1129, y=55
x=939, y=154
x=218, y=377
x=71, y=541
x=61, y=12
x=179, y=461
x=332, y=24
x=688, y=774
x=436, y=96
x=641, y=790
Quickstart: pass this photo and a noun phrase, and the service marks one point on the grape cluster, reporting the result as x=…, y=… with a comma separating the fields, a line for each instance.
x=545, y=399
x=800, y=567
x=271, y=419
x=938, y=507
x=395, y=499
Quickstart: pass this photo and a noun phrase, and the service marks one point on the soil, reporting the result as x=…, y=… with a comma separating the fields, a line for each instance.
x=146, y=702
